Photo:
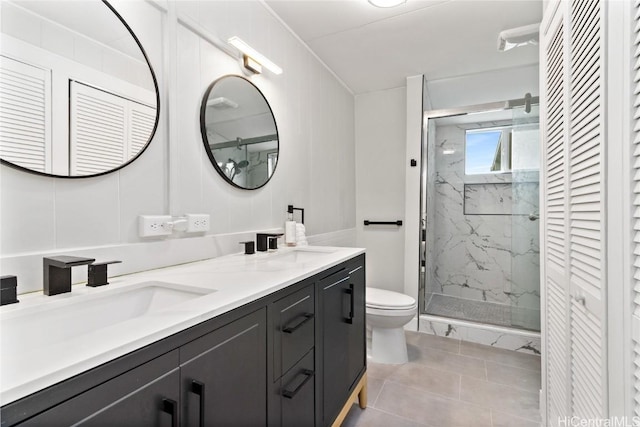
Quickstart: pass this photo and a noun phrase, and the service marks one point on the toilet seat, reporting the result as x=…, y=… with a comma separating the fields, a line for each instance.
x=381, y=299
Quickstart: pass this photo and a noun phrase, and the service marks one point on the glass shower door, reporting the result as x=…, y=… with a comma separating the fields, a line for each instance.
x=525, y=223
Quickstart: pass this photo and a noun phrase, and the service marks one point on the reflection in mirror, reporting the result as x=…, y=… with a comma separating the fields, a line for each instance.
x=78, y=96
x=239, y=132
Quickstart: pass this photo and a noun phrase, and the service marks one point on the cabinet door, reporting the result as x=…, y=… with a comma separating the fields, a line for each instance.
x=357, y=355
x=145, y=396
x=335, y=306
x=224, y=375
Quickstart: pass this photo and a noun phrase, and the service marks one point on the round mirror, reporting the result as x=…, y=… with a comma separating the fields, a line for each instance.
x=239, y=132
x=78, y=96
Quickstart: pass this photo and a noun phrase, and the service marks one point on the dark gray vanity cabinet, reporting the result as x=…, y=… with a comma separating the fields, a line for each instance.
x=223, y=375
x=291, y=359
x=145, y=396
x=342, y=307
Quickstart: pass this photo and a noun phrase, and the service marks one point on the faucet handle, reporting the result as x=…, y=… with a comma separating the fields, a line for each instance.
x=8, y=293
x=98, y=273
x=249, y=247
x=273, y=240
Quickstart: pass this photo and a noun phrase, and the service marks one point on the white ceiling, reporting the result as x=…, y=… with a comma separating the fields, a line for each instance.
x=372, y=49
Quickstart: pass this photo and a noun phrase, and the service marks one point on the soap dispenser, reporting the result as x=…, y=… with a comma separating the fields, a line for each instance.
x=290, y=228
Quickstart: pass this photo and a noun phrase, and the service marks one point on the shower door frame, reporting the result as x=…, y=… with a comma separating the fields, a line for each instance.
x=439, y=114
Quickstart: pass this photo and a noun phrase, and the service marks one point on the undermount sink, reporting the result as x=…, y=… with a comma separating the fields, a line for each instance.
x=300, y=255
x=74, y=316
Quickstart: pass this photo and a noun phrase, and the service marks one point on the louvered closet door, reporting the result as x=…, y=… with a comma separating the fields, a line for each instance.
x=555, y=242
x=98, y=130
x=141, y=121
x=586, y=200
x=574, y=238
x=635, y=321
x=25, y=115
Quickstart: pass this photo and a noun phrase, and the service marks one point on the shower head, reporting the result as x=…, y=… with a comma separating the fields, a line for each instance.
x=521, y=36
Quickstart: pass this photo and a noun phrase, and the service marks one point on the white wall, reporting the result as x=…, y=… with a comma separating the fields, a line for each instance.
x=98, y=216
x=380, y=182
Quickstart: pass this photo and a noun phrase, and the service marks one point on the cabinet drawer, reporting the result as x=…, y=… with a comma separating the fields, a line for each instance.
x=297, y=394
x=294, y=326
x=148, y=395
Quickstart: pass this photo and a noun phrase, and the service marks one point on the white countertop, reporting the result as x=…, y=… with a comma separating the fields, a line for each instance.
x=29, y=363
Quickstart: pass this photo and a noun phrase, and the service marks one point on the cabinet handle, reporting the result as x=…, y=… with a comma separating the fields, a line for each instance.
x=352, y=302
x=170, y=406
x=305, y=318
x=198, y=388
x=291, y=394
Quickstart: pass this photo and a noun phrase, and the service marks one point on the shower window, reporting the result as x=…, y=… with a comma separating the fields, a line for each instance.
x=491, y=150
x=487, y=151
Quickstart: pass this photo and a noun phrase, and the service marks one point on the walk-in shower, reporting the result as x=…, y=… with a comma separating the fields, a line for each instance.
x=479, y=251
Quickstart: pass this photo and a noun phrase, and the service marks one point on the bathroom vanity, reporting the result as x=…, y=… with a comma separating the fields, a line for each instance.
x=272, y=339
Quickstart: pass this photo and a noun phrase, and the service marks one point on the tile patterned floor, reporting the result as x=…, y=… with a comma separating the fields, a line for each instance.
x=452, y=383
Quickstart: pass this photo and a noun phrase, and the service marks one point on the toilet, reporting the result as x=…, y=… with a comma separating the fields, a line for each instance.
x=387, y=313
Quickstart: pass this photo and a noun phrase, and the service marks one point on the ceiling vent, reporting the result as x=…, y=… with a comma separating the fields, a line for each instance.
x=521, y=36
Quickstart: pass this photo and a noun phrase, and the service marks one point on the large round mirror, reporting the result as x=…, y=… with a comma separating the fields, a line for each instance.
x=78, y=96
x=239, y=132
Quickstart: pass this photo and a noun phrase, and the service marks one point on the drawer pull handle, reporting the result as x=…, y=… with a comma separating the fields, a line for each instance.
x=305, y=318
x=291, y=394
x=170, y=406
x=198, y=388
x=351, y=293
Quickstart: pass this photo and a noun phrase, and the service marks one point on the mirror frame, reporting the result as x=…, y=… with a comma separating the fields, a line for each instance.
x=203, y=130
x=155, y=125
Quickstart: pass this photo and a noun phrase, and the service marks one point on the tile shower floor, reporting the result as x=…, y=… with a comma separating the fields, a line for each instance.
x=483, y=312
x=452, y=383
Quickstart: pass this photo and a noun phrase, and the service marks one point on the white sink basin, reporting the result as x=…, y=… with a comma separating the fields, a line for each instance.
x=300, y=255
x=68, y=318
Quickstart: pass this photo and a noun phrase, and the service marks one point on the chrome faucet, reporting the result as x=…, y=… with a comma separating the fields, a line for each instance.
x=57, y=272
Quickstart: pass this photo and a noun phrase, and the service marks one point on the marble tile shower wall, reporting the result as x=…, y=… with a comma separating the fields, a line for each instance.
x=483, y=248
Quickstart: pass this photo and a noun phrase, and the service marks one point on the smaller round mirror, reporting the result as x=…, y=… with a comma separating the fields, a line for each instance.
x=239, y=132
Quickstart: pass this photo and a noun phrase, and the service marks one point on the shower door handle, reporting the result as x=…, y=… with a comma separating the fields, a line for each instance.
x=533, y=216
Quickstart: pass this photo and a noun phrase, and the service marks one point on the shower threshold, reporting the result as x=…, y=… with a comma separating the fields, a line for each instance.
x=484, y=312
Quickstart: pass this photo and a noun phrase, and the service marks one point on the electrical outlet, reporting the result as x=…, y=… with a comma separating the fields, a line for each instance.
x=154, y=225
x=197, y=223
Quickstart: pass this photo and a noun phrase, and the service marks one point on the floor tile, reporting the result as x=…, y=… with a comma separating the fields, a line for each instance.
x=432, y=380
x=437, y=359
x=526, y=379
x=430, y=409
x=503, y=398
x=374, y=386
x=380, y=371
x=499, y=355
x=452, y=383
x=420, y=339
x=500, y=419
x=371, y=417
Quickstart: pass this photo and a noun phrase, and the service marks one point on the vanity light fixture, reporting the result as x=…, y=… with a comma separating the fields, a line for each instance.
x=387, y=3
x=252, y=59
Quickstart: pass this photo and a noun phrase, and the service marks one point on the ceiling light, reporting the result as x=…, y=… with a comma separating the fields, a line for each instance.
x=253, y=60
x=387, y=3
x=521, y=36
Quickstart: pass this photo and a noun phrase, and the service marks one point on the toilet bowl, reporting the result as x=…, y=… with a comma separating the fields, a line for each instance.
x=387, y=313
